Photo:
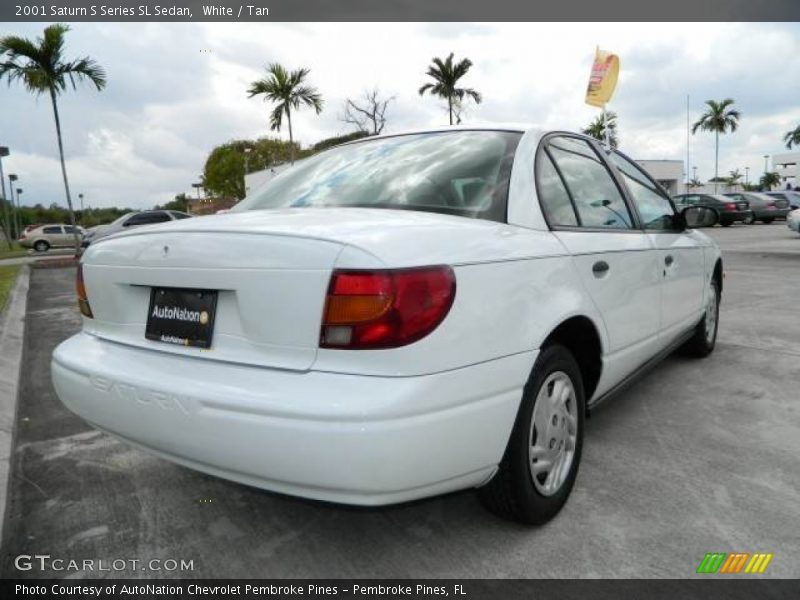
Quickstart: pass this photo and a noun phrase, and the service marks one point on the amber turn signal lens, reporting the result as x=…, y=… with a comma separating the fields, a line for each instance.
x=83, y=299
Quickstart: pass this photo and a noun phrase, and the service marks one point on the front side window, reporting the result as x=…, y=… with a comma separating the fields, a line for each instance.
x=590, y=184
x=463, y=173
x=654, y=207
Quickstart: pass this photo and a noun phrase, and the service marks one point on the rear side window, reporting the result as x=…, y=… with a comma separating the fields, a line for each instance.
x=589, y=183
x=51, y=230
x=552, y=193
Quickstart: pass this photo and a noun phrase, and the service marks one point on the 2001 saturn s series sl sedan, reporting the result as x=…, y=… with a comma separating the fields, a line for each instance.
x=396, y=318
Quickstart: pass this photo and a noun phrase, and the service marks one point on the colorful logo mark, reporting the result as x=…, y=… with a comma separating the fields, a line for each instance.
x=735, y=562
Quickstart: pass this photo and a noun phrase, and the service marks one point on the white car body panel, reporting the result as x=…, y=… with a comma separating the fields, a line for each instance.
x=266, y=406
x=793, y=220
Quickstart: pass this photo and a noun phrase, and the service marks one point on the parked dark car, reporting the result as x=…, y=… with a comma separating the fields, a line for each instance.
x=728, y=210
x=791, y=196
x=764, y=207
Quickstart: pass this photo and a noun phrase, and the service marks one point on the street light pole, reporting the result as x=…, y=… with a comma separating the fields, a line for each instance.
x=5, y=152
x=747, y=175
x=12, y=177
x=766, y=158
x=80, y=197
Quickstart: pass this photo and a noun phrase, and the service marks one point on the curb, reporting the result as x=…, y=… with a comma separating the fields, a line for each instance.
x=12, y=337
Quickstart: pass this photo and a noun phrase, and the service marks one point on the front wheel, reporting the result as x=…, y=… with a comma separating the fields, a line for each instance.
x=767, y=221
x=540, y=463
x=702, y=342
x=749, y=219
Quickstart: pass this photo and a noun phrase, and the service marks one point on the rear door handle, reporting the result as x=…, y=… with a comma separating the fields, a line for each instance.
x=600, y=268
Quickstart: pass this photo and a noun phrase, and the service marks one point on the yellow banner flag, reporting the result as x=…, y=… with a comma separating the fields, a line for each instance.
x=603, y=78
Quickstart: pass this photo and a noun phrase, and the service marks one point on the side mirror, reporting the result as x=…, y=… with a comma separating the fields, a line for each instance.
x=694, y=217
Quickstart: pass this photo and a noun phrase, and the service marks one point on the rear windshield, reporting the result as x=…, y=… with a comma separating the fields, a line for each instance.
x=463, y=173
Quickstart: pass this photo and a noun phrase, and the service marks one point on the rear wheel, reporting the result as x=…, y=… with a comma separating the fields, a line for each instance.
x=704, y=339
x=41, y=246
x=767, y=221
x=541, y=460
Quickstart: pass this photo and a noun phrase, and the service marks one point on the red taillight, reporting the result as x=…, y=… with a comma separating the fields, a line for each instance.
x=730, y=206
x=770, y=205
x=385, y=308
x=83, y=299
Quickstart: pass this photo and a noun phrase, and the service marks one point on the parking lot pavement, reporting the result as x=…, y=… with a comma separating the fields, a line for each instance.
x=700, y=456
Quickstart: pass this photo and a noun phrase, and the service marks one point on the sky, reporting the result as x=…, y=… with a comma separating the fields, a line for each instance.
x=176, y=90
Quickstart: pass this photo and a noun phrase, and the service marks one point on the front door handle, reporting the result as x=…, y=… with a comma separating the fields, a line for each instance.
x=668, y=260
x=600, y=268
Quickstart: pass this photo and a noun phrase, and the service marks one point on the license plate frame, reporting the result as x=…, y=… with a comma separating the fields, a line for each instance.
x=181, y=316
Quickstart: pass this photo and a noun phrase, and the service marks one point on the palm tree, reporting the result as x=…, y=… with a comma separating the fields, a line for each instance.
x=734, y=177
x=40, y=66
x=287, y=91
x=719, y=118
x=695, y=183
x=446, y=75
x=597, y=128
x=792, y=138
x=769, y=180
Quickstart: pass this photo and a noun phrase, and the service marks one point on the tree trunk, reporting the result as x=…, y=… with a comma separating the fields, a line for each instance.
x=64, y=173
x=7, y=224
x=716, y=160
x=291, y=137
x=450, y=108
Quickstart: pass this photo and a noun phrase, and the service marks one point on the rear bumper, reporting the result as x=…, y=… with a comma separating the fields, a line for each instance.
x=341, y=438
x=734, y=216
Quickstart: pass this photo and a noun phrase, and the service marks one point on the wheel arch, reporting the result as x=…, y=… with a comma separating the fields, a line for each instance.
x=581, y=337
x=717, y=275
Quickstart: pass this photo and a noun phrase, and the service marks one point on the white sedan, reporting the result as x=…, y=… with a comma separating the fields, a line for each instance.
x=793, y=220
x=395, y=318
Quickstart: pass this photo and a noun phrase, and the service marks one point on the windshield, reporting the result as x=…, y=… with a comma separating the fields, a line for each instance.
x=462, y=173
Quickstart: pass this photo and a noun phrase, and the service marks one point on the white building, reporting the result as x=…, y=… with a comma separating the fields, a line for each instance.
x=669, y=173
x=786, y=165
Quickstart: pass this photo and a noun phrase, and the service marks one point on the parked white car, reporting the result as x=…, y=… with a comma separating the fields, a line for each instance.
x=793, y=220
x=395, y=318
x=132, y=219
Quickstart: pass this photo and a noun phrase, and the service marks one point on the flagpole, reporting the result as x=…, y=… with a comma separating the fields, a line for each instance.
x=688, y=166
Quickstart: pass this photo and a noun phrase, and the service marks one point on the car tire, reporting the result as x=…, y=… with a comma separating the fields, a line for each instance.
x=767, y=221
x=521, y=490
x=749, y=220
x=704, y=339
x=41, y=246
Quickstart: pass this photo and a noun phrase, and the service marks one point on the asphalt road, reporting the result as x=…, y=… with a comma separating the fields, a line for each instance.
x=699, y=456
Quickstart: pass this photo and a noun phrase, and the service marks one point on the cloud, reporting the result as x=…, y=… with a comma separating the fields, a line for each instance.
x=176, y=90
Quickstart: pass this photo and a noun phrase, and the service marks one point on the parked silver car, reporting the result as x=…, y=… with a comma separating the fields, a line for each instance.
x=133, y=219
x=791, y=196
x=53, y=235
x=765, y=208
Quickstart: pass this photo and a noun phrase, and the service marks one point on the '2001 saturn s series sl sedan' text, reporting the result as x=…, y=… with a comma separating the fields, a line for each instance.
x=395, y=318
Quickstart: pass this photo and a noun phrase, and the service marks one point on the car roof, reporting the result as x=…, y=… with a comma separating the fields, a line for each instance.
x=514, y=127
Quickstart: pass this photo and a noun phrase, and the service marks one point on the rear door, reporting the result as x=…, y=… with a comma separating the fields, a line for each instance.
x=54, y=234
x=680, y=252
x=617, y=263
